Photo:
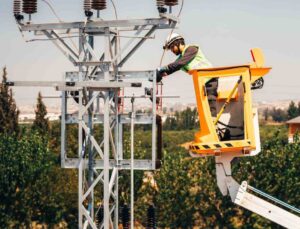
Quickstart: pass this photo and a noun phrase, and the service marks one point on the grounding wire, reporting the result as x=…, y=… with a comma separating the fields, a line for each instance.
x=52, y=9
x=274, y=199
x=163, y=54
x=115, y=8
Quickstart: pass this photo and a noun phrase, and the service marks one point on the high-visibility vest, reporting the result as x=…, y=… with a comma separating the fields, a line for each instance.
x=198, y=62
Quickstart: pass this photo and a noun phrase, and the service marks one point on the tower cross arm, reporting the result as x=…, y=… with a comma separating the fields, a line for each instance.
x=95, y=24
x=70, y=84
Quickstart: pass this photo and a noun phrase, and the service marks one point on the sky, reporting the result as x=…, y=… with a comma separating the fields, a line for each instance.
x=225, y=30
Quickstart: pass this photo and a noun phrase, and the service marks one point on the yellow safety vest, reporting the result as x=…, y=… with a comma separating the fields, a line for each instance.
x=198, y=62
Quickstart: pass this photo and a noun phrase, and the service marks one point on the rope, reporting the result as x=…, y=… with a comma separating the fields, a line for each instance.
x=179, y=13
x=52, y=9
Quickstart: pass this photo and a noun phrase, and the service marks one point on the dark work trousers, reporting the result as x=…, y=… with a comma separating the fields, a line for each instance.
x=211, y=87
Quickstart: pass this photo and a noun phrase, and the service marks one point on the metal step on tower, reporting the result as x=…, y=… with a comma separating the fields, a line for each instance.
x=96, y=87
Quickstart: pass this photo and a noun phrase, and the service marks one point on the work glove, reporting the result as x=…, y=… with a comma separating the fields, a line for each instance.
x=160, y=73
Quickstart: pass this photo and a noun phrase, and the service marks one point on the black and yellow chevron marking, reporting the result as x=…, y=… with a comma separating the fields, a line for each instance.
x=220, y=146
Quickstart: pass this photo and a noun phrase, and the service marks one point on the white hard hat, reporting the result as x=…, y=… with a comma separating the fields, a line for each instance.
x=171, y=38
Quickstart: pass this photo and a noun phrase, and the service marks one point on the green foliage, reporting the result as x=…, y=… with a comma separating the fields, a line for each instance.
x=188, y=196
x=292, y=110
x=142, y=150
x=25, y=185
x=281, y=115
x=40, y=123
x=273, y=171
x=170, y=123
x=266, y=114
x=278, y=114
x=184, y=120
x=267, y=132
x=8, y=110
x=34, y=188
x=72, y=138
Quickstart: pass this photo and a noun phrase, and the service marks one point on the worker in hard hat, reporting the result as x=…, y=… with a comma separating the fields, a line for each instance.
x=189, y=57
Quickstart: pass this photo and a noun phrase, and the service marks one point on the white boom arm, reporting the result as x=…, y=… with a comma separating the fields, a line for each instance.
x=240, y=196
x=265, y=209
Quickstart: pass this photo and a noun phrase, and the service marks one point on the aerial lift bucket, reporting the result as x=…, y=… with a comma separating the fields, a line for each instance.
x=236, y=116
x=235, y=128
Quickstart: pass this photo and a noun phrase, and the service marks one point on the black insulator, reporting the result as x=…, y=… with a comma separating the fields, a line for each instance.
x=171, y=2
x=29, y=6
x=98, y=4
x=151, y=222
x=160, y=3
x=17, y=7
x=162, y=9
x=125, y=217
x=100, y=215
x=159, y=144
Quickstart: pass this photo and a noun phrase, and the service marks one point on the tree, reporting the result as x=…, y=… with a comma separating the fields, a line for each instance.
x=184, y=120
x=278, y=115
x=298, y=108
x=41, y=123
x=9, y=113
x=188, y=195
x=28, y=183
x=170, y=123
x=266, y=114
x=165, y=110
x=273, y=171
x=292, y=111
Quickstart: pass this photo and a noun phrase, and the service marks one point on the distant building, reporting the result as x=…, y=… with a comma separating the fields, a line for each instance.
x=29, y=117
x=294, y=127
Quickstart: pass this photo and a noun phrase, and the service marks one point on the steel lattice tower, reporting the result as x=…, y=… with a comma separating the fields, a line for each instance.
x=95, y=86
